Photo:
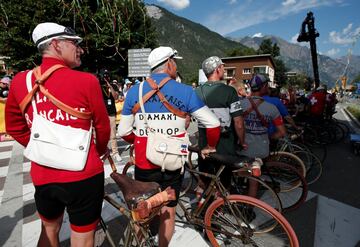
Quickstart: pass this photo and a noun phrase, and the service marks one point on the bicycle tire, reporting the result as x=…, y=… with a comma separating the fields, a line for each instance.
x=240, y=186
x=288, y=158
x=319, y=150
x=281, y=178
x=336, y=130
x=313, y=166
x=345, y=127
x=220, y=228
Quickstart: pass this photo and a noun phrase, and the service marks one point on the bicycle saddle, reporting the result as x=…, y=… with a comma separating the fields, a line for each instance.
x=232, y=161
x=134, y=190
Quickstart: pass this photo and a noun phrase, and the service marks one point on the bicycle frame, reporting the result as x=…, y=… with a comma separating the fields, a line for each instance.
x=137, y=230
x=215, y=186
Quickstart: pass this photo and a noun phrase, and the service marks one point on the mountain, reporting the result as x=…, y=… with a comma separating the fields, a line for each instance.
x=354, y=62
x=193, y=41
x=298, y=58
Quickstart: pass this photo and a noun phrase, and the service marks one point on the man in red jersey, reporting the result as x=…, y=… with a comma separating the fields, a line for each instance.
x=80, y=192
x=317, y=104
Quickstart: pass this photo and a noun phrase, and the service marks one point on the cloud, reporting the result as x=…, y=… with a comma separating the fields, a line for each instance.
x=176, y=4
x=232, y=2
x=346, y=36
x=258, y=35
x=347, y=29
x=250, y=13
x=288, y=2
x=332, y=52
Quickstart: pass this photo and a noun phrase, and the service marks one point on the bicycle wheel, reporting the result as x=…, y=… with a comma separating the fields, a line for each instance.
x=240, y=186
x=345, y=128
x=313, y=166
x=336, y=130
x=290, y=159
x=282, y=178
x=240, y=220
x=319, y=150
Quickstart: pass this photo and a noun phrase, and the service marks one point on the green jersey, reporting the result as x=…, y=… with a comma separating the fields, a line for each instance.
x=223, y=101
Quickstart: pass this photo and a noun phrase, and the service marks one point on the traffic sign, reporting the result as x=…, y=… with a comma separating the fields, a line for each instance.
x=138, y=62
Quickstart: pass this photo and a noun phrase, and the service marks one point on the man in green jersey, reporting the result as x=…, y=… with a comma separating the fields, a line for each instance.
x=223, y=101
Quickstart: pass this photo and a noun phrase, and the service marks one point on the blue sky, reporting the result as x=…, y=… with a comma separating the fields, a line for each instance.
x=337, y=21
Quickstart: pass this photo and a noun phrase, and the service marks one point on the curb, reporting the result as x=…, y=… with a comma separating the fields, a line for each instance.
x=352, y=117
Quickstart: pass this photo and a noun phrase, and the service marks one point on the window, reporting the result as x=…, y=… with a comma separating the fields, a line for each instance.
x=230, y=72
x=246, y=71
x=260, y=70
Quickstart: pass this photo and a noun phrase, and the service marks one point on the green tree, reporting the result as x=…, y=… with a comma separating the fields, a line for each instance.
x=109, y=29
x=240, y=51
x=267, y=47
x=300, y=80
x=280, y=72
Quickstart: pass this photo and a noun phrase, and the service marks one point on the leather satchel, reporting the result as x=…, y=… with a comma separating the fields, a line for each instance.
x=51, y=144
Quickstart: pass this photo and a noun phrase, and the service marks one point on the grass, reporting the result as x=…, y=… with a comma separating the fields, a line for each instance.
x=355, y=111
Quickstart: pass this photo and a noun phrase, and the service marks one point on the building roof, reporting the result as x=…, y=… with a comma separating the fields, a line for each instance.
x=251, y=56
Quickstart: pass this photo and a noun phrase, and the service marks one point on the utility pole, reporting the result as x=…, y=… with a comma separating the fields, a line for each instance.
x=310, y=36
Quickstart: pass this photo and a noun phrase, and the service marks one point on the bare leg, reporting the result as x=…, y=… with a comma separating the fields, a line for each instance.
x=49, y=236
x=82, y=239
x=167, y=225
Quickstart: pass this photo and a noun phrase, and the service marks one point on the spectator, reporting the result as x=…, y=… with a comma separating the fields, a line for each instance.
x=282, y=109
x=4, y=87
x=240, y=88
x=80, y=192
x=257, y=125
x=223, y=101
x=194, y=85
x=317, y=105
x=231, y=81
x=110, y=95
x=162, y=61
x=127, y=86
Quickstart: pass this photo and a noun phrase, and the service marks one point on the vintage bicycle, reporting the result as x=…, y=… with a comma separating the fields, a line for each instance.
x=232, y=219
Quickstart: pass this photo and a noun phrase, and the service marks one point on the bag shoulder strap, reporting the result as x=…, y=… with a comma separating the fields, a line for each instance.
x=255, y=108
x=156, y=89
x=251, y=108
x=39, y=85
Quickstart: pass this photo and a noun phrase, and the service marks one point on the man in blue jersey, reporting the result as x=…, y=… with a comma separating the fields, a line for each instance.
x=132, y=128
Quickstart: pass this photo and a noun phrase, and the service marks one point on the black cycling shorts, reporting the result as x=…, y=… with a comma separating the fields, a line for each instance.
x=164, y=179
x=82, y=200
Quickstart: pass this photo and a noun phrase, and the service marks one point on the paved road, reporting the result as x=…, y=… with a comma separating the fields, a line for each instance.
x=330, y=217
